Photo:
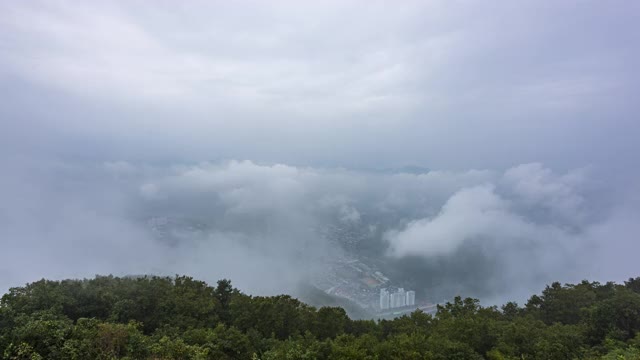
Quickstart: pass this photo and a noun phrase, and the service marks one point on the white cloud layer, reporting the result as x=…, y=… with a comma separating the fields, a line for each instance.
x=261, y=225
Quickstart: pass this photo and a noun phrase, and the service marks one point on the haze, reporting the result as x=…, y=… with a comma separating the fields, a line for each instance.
x=476, y=148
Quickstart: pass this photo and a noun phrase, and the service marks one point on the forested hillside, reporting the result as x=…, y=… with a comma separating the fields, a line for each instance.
x=182, y=318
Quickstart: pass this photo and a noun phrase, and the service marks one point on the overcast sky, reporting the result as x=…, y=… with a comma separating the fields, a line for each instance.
x=544, y=89
x=443, y=84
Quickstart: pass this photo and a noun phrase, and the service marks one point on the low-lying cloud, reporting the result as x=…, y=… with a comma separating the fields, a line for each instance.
x=526, y=203
x=487, y=233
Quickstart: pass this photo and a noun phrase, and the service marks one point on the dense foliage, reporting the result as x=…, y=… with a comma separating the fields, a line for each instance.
x=182, y=318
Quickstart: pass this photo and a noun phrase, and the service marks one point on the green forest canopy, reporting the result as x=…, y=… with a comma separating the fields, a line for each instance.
x=182, y=318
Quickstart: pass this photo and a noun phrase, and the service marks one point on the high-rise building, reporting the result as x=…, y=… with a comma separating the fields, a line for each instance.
x=411, y=298
x=402, y=298
x=398, y=298
x=394, y=300
x=384, y=299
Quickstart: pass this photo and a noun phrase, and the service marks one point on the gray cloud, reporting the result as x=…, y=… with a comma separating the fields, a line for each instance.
x=264, y=225
x=423, y=78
